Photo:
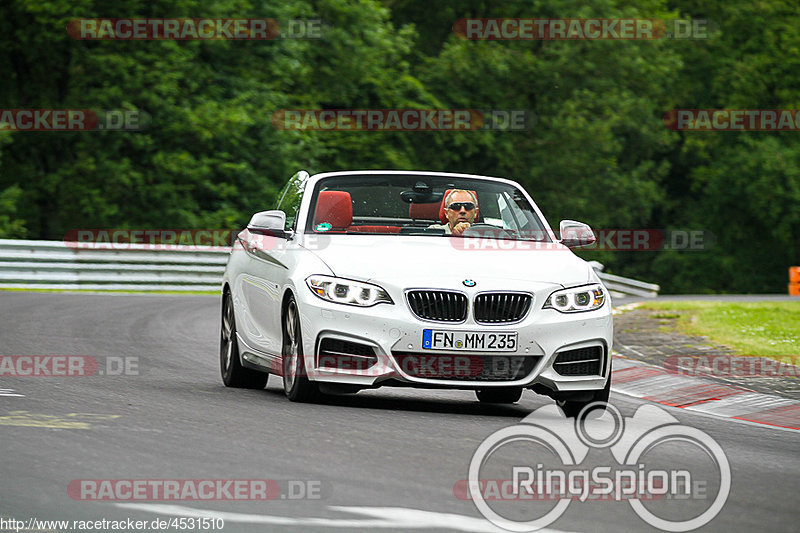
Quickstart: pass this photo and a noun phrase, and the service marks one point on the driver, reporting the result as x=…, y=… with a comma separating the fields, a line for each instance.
x=461, y=208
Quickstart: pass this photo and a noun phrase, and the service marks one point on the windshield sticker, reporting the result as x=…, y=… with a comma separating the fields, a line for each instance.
x=324, y=226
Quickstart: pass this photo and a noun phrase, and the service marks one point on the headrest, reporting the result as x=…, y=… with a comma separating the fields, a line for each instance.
x=424, y=211
x=334, y=208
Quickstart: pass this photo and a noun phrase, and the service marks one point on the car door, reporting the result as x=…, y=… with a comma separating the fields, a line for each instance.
x=269, y=262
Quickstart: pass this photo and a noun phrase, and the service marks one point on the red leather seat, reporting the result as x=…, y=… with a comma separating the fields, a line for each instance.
x=334, y=208
x=376, y=229
x=424, y=211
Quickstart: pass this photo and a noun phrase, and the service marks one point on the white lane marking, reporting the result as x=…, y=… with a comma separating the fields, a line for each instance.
x=10, y=393
x=637, y=352
x=742, y=404
x=618, y=310
x=652, y=385
x=728, y=418
x=382, y=517
x=620, y=363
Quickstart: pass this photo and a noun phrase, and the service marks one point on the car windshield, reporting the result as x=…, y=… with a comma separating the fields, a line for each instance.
x=397, y=204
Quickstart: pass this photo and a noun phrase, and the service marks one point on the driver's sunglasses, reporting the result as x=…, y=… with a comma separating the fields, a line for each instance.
x=456, y=206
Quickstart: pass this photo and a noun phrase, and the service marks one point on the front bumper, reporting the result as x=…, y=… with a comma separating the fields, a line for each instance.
x=391, y=330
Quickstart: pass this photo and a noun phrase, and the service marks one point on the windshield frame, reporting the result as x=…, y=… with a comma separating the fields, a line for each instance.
x=544, y=232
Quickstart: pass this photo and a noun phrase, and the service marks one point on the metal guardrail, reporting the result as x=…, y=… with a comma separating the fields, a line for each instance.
x=629, y=287
x=110, y=267
x=619, y=286
x=139, y=267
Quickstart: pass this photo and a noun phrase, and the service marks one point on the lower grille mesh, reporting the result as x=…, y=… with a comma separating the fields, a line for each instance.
x=580, y=362
x=345, y=355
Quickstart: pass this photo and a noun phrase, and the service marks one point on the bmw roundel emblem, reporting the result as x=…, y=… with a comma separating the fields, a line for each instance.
x=469, y=282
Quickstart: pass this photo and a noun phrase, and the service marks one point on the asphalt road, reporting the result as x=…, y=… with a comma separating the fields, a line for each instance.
x=383, y=460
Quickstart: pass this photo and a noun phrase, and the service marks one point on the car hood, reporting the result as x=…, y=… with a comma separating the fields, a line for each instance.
x=422, y=261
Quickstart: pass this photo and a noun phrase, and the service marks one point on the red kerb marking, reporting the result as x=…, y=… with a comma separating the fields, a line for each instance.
x=634, y=374
x=694, y=394
x=785, y=417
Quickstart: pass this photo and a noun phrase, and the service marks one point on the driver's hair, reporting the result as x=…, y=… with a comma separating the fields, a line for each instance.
x=447, y=200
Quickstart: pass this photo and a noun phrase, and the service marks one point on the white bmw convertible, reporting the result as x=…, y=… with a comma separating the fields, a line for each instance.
x=365, y=279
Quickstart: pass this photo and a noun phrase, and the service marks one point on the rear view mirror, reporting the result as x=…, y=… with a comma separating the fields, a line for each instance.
x=575, y=234
x=268, y=223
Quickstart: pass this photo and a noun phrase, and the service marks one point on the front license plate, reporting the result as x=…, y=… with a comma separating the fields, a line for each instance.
x=469, y=341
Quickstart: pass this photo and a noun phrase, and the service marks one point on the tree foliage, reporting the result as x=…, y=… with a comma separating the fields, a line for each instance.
x=598, y=151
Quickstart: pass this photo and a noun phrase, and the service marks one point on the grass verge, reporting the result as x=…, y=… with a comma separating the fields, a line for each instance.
x=768, y=329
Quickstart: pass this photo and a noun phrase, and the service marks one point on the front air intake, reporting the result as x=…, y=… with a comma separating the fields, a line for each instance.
x=580, y=362
x=342, y=354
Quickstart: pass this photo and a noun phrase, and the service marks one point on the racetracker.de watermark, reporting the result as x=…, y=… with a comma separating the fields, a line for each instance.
x=67, y=366
x=94, y=490
x=434, y=365
x=616, y=240
x=64, y=120
x=184, y=29
x=734, y=366
x=420, y=365
x=150, y=239
x=535, y=29
x=187, y=240
x=403, y=119
x=123, y=524
x=733, y=119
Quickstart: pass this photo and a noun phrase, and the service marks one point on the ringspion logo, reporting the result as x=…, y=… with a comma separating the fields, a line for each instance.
x=553, y=470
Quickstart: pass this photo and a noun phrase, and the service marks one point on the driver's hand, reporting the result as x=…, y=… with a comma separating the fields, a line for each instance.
x=459, y=228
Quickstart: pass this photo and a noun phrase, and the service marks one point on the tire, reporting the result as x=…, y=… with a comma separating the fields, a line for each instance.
x=296, y=384
x=504, y=395
x=231, y=369
x=572, y=408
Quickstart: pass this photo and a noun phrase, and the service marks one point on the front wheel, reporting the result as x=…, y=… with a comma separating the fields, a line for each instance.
x=503, y=395
x=296, y=385
x=572, y=408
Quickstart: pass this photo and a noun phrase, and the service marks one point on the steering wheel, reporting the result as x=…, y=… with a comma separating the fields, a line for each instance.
x=481, y=228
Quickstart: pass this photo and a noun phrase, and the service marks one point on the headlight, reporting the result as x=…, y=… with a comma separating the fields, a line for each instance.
x=577, y=299
x=346, y=291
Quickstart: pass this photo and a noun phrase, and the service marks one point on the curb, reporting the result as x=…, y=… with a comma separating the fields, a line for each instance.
x=655, y=384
